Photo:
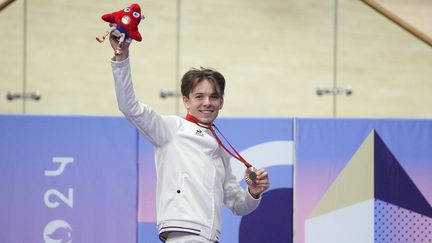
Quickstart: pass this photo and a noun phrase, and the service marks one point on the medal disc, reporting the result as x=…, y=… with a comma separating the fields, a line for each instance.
x=251, y=176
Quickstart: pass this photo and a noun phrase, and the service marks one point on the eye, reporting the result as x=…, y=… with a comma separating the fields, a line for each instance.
x=127, y=10
x=136, y=14
x=215, y=96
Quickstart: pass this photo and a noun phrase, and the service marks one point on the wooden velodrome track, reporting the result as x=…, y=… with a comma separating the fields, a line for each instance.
x=274, y=55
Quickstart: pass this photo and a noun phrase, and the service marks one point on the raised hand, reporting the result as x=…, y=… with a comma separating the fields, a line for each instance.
x=120, y=44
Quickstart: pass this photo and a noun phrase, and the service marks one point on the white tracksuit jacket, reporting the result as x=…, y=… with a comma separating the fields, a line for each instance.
x=194, y=175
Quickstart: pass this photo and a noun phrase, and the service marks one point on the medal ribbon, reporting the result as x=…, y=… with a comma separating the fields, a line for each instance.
x=213, y=131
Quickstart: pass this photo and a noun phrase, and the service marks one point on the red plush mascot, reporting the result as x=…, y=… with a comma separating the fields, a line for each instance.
x=126, y=21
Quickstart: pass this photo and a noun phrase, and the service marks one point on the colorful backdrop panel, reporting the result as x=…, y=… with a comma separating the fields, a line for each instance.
x=357, y=178
x=67, y=179
x=265, y=143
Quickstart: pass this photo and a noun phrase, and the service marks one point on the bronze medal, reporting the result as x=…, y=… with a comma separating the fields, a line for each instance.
x=251, y=176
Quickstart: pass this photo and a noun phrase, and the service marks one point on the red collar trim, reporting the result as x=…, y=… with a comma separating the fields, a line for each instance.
x=195, y=120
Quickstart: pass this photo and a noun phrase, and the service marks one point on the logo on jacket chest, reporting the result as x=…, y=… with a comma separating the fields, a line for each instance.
x=199, y=132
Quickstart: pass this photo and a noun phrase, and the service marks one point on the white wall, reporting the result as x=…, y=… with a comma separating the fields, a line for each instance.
x=274, y=54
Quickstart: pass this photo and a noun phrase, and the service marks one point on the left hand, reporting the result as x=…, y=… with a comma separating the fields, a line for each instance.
x=261, y=184
x=121, y=50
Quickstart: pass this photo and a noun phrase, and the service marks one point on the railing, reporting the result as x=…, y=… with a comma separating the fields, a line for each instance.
x=399, y=21
x=5, y=3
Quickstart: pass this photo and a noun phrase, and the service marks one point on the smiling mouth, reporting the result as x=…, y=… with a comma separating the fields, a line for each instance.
x=206, y=111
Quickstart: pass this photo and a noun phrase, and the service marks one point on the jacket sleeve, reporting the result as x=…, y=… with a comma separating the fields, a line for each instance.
x=235, y=197
x=158, y=129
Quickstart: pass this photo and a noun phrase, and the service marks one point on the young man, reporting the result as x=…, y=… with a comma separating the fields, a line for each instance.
x=194, y=177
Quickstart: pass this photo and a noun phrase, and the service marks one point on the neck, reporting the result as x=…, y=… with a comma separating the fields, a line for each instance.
x=193, y=119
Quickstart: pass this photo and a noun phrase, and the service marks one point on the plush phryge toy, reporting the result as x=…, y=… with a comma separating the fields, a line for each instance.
x=126, y=21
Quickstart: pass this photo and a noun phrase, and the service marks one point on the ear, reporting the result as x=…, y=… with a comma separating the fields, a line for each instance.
x=222, y=103
x=186, y=102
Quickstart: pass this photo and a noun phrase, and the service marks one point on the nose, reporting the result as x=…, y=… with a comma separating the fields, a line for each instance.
x=206, y=101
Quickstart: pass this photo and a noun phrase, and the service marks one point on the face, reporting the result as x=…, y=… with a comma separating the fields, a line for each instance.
x=204, y=102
